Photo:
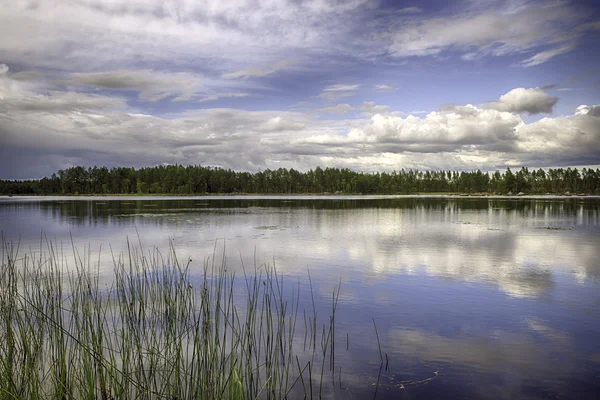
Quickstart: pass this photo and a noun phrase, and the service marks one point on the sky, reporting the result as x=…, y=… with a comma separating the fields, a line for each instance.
x=370, y=85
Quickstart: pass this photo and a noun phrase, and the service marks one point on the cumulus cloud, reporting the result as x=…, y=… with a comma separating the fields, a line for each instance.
x=592, y=111
x=463, y=135
x=573, y=139
x=521, y=100
x=445, y=130
x=60, y=128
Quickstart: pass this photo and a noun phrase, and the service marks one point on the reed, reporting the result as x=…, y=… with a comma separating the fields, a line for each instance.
x=155, y=331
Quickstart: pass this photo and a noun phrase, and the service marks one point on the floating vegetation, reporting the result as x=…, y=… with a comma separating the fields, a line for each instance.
x=555, y=228
x=267, y=227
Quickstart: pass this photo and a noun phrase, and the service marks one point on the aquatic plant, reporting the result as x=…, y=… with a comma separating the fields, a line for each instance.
x=155, y=330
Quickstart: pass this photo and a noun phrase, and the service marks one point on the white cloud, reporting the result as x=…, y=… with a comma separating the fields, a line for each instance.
x=461, y=136
x=340, y=88
x=544, y=56
x=219, y=36
x=531, y=101
x=216, y=96
x=568, y=138
x=51, y=129
x=445, y=130
x=593, y=111
x=337, y=109
x=384, y=88
x=279, y=124
x=257, y=72
x=493, y=31
x=338, y=91
x=370, y=108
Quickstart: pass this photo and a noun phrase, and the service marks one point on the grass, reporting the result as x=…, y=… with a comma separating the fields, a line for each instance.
x=156, y=331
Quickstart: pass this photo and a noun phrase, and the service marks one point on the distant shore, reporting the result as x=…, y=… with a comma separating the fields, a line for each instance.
x=324, y=194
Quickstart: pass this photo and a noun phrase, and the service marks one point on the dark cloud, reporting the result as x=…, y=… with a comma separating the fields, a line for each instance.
x=151, y=85
x=594, y=111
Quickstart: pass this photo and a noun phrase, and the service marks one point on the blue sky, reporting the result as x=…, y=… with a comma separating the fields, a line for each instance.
x=250, y=85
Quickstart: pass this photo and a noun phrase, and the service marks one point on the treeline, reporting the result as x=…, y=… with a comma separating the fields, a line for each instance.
x=178, y=179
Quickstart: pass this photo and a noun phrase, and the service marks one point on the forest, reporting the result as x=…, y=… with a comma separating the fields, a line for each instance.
x=199, y=180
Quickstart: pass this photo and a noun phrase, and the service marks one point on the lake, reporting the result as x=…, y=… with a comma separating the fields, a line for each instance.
x=472, y=297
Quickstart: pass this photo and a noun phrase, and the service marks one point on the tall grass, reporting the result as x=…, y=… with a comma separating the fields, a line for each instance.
x=155, y=330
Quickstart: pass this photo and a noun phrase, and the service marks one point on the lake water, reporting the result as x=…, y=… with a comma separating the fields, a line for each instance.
x=472, y=297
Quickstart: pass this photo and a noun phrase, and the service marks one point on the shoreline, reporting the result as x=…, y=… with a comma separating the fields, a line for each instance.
x=311, y=195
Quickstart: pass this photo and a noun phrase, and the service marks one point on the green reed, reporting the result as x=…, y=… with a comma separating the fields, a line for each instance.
x=155, y=330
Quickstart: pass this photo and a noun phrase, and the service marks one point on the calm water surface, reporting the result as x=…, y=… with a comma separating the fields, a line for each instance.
x=473, y=297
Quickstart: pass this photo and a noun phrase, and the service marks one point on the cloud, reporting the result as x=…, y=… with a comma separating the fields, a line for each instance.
x=410, y=10
x=384, y=88
x=257, y=72
x=216, y=96
x=59, y=128
x=531, y=101
x=219, y=38
x=491, y=353
x=278, y=124
x=458, y=136
x=371, y=108
x=544, y=56
x=593, y=111
x=338, y=91
x=445, y=130
x=566, y=138
x=21, y=97
x=494, y=31
x=340, y=88
x=151, y=85
x=338, y=109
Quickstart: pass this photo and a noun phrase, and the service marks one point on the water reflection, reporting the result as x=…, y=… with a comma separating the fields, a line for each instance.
x=516, y=245
x=498, y=296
